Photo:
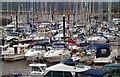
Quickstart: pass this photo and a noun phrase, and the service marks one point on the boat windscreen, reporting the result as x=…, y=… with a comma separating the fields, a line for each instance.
x=36, y=69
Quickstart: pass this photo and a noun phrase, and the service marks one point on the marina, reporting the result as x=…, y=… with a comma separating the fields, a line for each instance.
x=60, y=39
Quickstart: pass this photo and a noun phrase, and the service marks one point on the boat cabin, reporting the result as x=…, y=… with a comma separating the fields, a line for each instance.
x=20, y=49
x=16, y=52
x=2, y=49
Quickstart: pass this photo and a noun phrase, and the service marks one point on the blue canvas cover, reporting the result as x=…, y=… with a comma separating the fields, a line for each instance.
x=98, y=48
x=53, y=41
x=94, y=72
x=71, y=62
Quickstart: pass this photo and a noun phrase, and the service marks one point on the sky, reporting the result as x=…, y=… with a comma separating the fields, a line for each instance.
x=57, y=0
x=115, y=0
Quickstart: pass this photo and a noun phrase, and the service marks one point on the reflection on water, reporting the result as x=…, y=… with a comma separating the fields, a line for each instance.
x=20, y=66
x=15, y=67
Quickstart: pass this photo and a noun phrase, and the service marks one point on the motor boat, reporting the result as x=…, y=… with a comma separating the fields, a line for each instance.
x=97, y=38
x=110, y=36
x=57, y=52
x=2, y=49
x=36, y=52
x=103, y=53
x=16, y=52
x=59, y=69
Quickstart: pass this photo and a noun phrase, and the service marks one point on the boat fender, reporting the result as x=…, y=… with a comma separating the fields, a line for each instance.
x=81, y=53
x=21, y=51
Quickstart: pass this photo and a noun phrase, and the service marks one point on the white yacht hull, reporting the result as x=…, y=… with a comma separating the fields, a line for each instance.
x=33, y=58
x=103, y=60
x=56, y=58
x=14, y=57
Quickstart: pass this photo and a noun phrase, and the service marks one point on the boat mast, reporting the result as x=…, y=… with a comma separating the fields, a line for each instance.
x=17, y=16
x=76, y=12
x=37, y=17
x=28, y=14
x=89, y=17
x=42, y=12
x=45, y=19
x=89, y=10
x=81, y=12
x=68, y=18
x=109, y=14
x=7, y=10
x=0, y=8
x=93, y=10
x=32, y=12
x=56, y=11
x=100, y=11
x=45, y=11
x=87, y=13
x=118, y=7
x=51, y=18
x=11, y=16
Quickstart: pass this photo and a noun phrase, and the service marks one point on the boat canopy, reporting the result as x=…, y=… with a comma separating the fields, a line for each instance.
x=71, y=62
x=62, y=67
x=9, y=26
x=113, y=65
x=102, y=50
x=94, y=72
x=37, y=65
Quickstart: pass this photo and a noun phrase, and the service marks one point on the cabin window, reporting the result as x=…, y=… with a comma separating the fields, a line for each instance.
x=4, y=49
x=38, y=47
x=58, y=46
x=103, y=51
x=21, y=50
x=15, y=50
x=43, y=68
x=59, y=74
x=0, y=50
x=36, y=69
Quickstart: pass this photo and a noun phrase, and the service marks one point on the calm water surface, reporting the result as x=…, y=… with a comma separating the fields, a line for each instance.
x=14, y=67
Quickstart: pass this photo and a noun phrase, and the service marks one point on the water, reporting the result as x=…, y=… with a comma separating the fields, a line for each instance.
x=22, y=66
x=14, y=67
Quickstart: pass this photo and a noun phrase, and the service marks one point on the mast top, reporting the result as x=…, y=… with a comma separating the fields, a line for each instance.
x=63, y=15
